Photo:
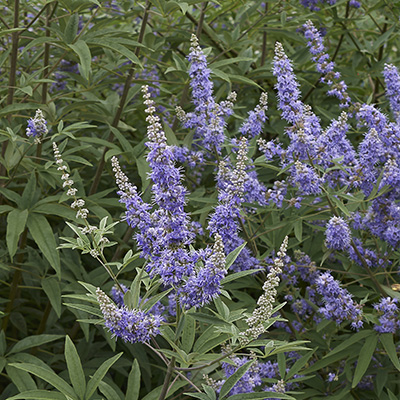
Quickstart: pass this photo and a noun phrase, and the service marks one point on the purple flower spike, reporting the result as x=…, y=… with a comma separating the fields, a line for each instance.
x=392, y=80
x=287, y=86
x=324, y=66
x=37, y=126
x=338, y=235
x=339, y=305
x=389, y=316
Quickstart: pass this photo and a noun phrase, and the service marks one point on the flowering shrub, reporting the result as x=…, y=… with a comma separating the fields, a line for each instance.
x=199, y=201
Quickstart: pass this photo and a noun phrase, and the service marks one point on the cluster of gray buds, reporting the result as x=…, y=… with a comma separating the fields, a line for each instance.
x=265, y=303
x=69, y=183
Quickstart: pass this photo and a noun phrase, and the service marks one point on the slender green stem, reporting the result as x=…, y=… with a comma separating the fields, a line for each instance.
x=166, y=363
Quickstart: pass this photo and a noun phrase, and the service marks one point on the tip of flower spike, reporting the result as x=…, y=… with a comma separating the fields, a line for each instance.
x=145, y=89
x=264, y=99
x=279, y=52
x=194, y=41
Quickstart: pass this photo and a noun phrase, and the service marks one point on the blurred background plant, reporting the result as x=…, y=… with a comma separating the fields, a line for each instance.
x=83, y=64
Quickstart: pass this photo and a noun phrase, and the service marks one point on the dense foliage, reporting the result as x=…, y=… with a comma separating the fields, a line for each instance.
x=199, y=199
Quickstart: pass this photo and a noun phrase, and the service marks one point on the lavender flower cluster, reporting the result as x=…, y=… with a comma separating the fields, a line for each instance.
x=314, y=5
x=165, y=233
x=37, y=127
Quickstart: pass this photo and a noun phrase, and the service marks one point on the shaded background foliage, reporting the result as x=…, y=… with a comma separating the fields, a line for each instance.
x=83, y=63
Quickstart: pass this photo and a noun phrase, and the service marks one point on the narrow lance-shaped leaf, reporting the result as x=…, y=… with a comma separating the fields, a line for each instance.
x=99, y=375
x=233, y=255
x=75, y=369
x=52, y=289
x=364, y=359
x=388, y=343
x=33, y=341
x=132, y=391
x=234, y=378
x=43, y=235
x=85, y=58
x=48, y=376
x=38, y=395
x=16, y=222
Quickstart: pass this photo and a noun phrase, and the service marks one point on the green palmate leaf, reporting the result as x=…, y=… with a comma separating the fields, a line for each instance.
x=327, y=361
x=339, y=204
x=83, y=307
x=38, y=395
x=234, y=378
x=89, y=287
x=233, y=255
x=43, y=235
x=16, y=221
x=364, y=359
x=48, y=376
x=51, y=287
x=143, y=169
x=5, y=209
x=153, y=300
x=99, y=375
x=28, y=196
x=282, y=365
x=33, y=341
x=384, y=38
x=243, y=79
x=206, y=336
x=155, y=394
x=72, y=28
x=216, y=341
x=10, y=195
x=133, y=387
x=298, y=230
x=170, y=134
x=208, y=319
x=388, y=343
x=221, y=74
x=188, y=333
x=240, y=274
x=222, y=308
x=299, y=364
x=14, y=108
x=117, y=47
x=108, y=391
x=21, y=379
x=201, y=396
x=83, y=52
x=126, y=146
x=210, y=392
x=354, y=338
x=60, y=210
x=222, y=63
x=392, y=396
x=3, y=362
x=75, y=369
